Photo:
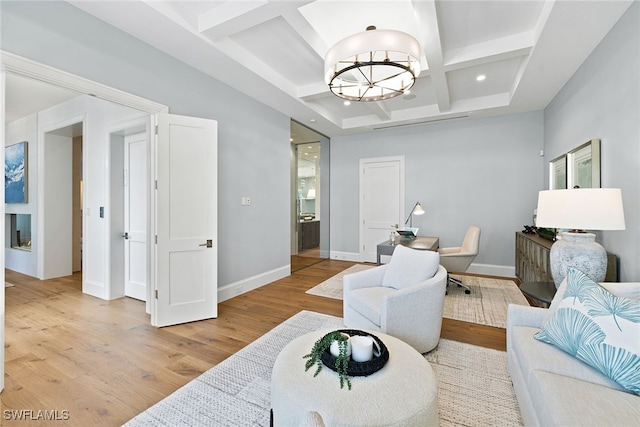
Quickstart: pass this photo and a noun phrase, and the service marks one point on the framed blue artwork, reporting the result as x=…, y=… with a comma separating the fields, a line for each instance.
x=15, y=173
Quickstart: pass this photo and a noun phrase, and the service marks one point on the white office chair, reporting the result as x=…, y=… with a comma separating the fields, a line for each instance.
x=458, y=259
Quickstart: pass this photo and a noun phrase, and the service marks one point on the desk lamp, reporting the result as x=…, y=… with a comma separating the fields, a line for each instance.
x=417, y=210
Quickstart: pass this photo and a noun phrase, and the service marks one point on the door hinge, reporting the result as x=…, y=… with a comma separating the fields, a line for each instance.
x=156, y=129
x=156, y=239
x=156, y=184
x=156, y=294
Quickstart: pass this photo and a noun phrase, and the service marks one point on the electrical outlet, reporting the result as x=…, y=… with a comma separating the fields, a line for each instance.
x=248, y=201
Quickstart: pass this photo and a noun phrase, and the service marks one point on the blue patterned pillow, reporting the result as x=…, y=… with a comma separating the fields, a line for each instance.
x=598, y=328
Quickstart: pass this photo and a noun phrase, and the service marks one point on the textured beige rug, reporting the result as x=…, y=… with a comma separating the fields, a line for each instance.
x=474, y=388
x=486, y=305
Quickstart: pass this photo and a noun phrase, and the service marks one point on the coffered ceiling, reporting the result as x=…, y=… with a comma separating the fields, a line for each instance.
x=273, y=50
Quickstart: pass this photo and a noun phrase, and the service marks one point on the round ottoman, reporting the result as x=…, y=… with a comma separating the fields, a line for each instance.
x=403, y=392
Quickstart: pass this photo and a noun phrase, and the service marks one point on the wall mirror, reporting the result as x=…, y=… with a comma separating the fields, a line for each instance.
x=579, y=167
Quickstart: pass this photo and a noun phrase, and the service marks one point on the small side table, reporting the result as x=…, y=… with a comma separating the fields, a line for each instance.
x=542, y=292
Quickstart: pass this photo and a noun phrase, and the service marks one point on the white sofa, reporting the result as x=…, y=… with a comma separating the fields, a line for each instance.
x=555, y=388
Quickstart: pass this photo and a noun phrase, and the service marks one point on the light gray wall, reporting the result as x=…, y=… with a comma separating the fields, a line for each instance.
x=253, y=139
x=602, y=100
x=24, y=129
x=483, y=172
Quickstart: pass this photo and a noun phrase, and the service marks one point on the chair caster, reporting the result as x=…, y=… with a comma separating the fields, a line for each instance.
x=467, y=291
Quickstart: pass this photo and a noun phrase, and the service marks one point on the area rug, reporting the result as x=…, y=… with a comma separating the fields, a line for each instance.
x=486, y=305
x=474, y=388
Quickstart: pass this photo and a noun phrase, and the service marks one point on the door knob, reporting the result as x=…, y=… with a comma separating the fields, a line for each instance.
x=394, y=225
x=208, y=244
x=126, y=236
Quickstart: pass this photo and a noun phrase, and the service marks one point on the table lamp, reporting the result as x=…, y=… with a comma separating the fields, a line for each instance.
x=577, y=210
x=417, y=210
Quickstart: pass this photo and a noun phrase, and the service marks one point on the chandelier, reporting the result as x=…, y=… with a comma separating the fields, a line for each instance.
x=372, y=65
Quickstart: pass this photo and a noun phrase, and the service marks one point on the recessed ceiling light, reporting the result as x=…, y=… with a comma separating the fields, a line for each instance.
x=481, y=77
x=312, y=120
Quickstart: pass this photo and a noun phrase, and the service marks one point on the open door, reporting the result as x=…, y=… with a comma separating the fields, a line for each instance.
x=186, y=287
x=135, y=216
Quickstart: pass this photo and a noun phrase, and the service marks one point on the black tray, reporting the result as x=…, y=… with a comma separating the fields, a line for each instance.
x=359, y=369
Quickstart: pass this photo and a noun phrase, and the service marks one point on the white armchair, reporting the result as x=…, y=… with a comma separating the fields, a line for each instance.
x=404, y=298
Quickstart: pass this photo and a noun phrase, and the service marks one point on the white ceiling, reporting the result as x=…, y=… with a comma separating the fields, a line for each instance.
x=24, y=96
x=273, y=50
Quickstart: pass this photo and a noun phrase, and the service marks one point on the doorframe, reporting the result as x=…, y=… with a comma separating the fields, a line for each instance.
x=15, y=64
x=361, y=195
x=139, y=125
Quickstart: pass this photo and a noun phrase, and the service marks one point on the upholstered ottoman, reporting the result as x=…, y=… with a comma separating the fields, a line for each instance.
x=403, y=392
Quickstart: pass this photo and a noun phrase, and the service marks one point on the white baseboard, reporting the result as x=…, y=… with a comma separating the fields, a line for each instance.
x=492, y=270
x=95, y=289
x=345, y=256
x=234, y=289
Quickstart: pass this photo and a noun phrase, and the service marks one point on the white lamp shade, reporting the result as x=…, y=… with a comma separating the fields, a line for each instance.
x=373, y=65
x=391, y=41
x=418, y=210
x=581, y=209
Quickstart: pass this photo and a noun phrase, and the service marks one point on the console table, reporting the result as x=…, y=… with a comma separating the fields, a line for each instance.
x=419, y=242
x=532, y=259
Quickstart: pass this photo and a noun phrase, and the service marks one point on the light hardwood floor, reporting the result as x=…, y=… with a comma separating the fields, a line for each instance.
x=100, y=363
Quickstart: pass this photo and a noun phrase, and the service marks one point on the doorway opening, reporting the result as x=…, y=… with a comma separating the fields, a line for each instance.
x=61, y=202
x=129, y=207
x=309, y=196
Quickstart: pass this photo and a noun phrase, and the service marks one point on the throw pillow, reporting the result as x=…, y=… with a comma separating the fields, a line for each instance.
x=624, y=289
x=410, y=266
x=599, y=329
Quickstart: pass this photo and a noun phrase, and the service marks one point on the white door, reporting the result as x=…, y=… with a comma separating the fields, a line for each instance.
x=186, y=226
x=135, y=216
x=381, y=202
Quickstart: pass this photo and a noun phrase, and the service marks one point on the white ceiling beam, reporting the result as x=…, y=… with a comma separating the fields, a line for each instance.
x=236, y=16
x=313, y=91
x=379, y=109
x=556, y=30
x=300, y=24
x=251, y=62
x=429, y=38
x=229, y=13
x=489, y=51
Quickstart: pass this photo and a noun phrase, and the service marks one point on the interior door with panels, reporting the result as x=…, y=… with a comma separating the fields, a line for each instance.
x=186, y=226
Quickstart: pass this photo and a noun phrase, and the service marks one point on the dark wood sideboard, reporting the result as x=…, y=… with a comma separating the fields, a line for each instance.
x=308, y=235
x=532, y=260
